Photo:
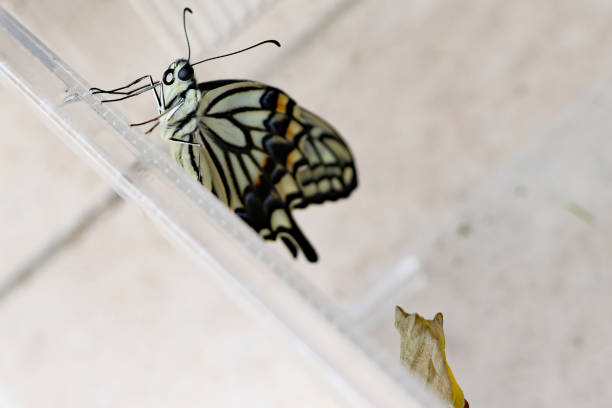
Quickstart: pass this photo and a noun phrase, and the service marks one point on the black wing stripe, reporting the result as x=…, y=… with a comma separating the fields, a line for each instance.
x=192, y=160
x=234, y=198
x=239, y=179
x=220, y=169
x=241, y=93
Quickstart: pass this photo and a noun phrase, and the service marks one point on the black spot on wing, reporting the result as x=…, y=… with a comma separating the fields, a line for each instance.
x=277, y=174
x=277, y=123
x=269, y=98
x=258, y=218
x=272, y=203
x=278, y=148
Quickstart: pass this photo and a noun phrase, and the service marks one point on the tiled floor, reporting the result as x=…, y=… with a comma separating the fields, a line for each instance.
x=433, y=97
x=99, y=325
x=37, y=169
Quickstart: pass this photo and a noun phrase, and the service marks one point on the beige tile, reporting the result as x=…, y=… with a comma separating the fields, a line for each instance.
x=521, y=274
x=122, y=319
x=45, y=186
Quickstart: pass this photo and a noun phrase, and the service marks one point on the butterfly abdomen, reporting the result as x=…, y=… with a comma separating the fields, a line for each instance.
x=181, y=119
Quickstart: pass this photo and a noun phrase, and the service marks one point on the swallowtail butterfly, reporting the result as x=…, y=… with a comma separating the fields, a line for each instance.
x=249, y=143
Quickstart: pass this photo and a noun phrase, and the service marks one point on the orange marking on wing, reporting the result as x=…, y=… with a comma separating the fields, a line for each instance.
x=293, y=129
x=258, y=181
x=281, y=103
x=292, y=157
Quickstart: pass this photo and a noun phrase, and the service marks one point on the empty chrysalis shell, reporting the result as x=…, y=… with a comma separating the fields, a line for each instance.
x=422, y=351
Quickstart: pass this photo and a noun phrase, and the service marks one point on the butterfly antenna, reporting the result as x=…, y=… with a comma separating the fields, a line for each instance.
x=185, y=10
x=238, y=52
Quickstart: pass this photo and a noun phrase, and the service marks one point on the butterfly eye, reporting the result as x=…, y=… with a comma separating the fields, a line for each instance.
x=168, y=77
x=185, y=73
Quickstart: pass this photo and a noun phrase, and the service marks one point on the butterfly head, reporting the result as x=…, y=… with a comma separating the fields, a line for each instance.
x=177, y=79
x=179, y=76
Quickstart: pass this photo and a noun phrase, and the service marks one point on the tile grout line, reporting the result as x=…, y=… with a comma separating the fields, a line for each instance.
x=28, y=269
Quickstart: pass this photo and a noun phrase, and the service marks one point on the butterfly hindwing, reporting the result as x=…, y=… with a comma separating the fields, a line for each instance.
x=245, y=185
x=262, y=154
x=332, y=172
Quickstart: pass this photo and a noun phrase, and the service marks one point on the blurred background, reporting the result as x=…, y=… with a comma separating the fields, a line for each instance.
x=481, y=132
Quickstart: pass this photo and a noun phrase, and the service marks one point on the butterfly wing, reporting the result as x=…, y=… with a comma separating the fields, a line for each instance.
x=330, y=174
x=265, y=155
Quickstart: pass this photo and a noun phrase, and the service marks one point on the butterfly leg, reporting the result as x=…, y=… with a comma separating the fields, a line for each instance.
x=152, y=128
x=121, y=88
x=131, y=93
x=172, y=139
x=159, y=102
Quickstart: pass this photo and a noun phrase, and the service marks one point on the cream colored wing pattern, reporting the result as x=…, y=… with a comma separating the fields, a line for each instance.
x=264, y=155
